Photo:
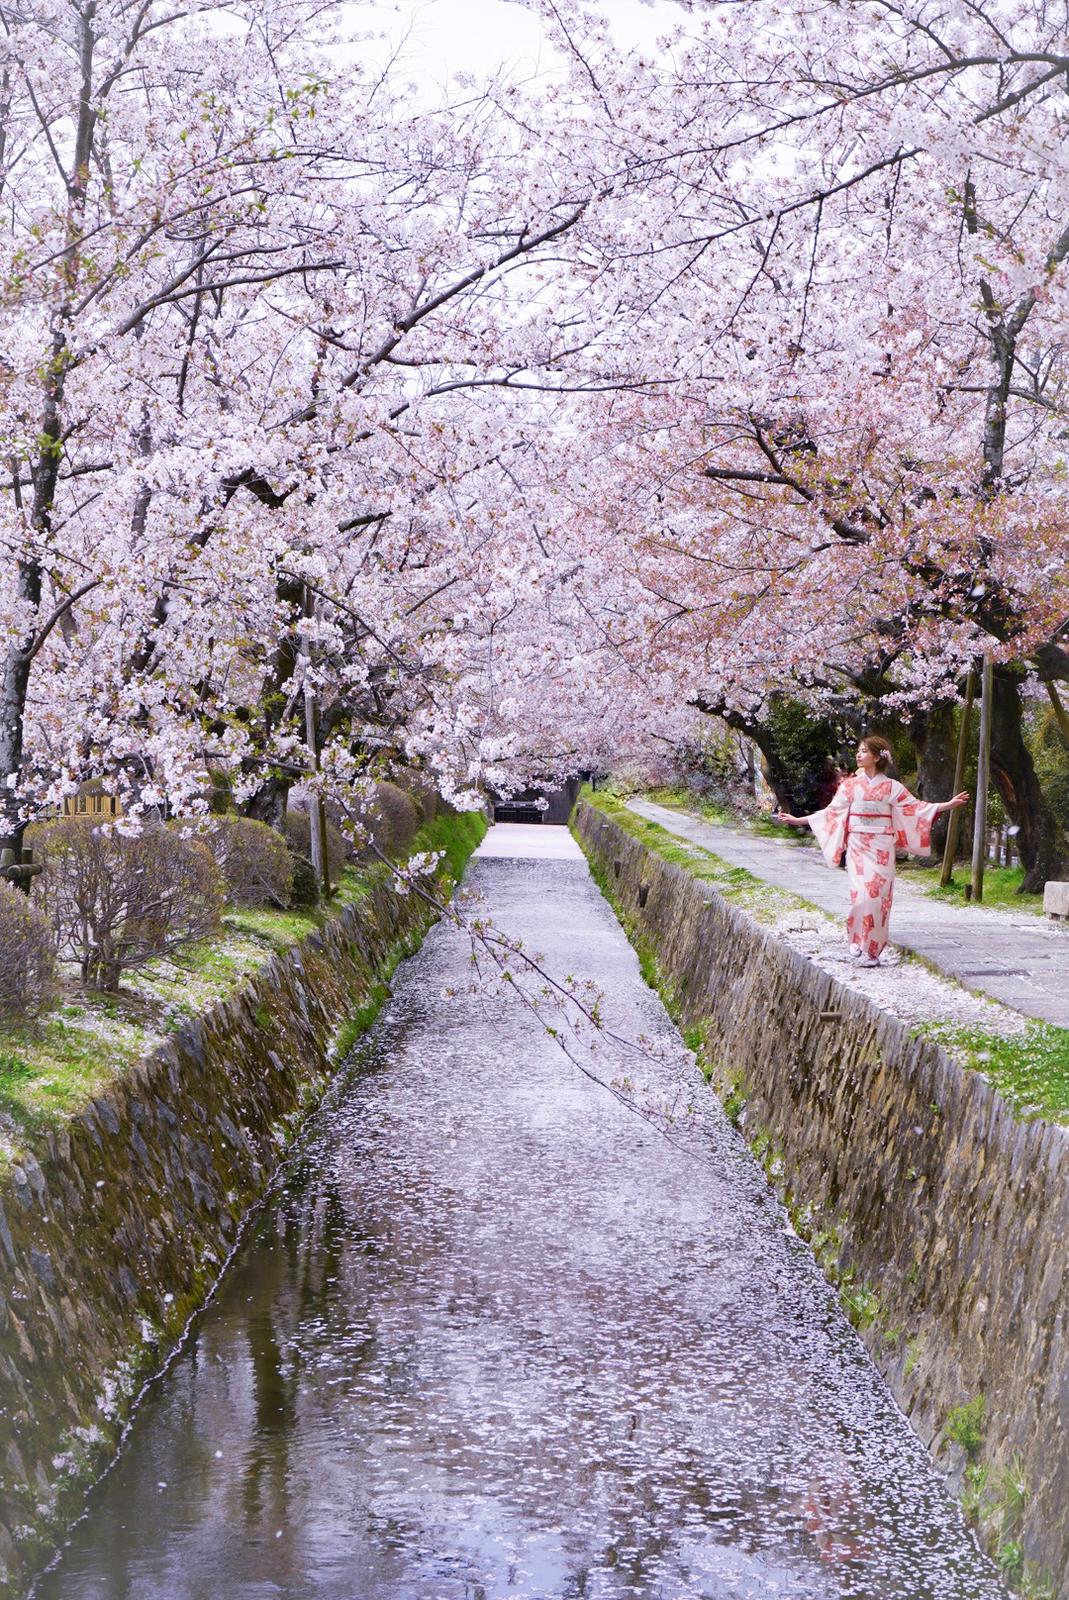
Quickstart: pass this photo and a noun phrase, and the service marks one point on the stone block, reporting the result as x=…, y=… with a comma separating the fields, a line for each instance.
x=1056, y=901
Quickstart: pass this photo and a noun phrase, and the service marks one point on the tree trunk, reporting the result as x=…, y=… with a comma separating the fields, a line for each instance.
x=790, y=795
x=18, y=657
x=935, y=741
x=268, y=804
x=796, y=754
x=1040, y=841
x=14, y=682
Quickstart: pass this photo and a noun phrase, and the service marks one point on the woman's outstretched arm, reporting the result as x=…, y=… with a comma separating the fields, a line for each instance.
x=829, y=824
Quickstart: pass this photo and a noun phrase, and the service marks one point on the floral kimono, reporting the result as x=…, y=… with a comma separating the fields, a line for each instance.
x=870, y=818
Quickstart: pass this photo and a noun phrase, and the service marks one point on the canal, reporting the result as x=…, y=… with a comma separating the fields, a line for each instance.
x=498, y=1336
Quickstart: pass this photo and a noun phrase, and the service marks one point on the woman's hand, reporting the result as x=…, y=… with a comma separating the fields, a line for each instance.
x=785, y=816
x=958, y=800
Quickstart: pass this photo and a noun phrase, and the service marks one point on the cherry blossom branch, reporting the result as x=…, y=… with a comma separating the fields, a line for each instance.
x=567, y=997
x=58, y=614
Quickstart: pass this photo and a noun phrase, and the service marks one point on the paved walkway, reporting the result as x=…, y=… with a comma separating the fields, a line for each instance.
x=1015, y=957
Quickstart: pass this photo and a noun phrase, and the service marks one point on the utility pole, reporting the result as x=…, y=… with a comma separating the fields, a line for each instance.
x=951, y=847
x=983, y=769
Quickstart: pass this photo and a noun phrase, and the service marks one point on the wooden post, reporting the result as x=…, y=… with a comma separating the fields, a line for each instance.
x=983, y=770
x=1060, y=712
x=317, y=817
x=19, y=868
x=953, y=821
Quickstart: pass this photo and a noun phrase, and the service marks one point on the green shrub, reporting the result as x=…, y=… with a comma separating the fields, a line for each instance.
x=798, y=750
x=304, y=892
x=425, y=797
x=965, y=1425
x=299, y=838
x=28, y=964
x=393, y=819
x=117, y=899
x=256, y=862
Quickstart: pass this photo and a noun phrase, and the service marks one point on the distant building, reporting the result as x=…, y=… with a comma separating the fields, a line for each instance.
x=537, y=805
x=92, y=801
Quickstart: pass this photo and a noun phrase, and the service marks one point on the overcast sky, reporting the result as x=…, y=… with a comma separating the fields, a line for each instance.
x=444, y=37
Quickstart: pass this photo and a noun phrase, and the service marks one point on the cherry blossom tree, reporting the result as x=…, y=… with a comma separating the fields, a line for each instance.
x=145, y=164
x=251, y=303
x=850, y=225
x=343, y=434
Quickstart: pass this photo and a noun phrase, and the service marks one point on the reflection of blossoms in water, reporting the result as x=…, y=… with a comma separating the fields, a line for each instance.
x=835, y=1515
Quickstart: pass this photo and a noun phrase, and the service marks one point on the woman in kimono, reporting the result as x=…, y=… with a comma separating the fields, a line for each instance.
x=870, y=816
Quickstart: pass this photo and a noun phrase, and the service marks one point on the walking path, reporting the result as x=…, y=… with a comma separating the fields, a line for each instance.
x=1012, y=956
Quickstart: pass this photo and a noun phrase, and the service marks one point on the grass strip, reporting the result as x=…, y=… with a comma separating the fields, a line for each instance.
x=763, y=901
x=1030, y=1070
x=1002, y=887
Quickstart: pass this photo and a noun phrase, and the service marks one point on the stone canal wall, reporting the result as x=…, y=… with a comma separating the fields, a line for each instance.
x=116, y=1229
x=946, y=1219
